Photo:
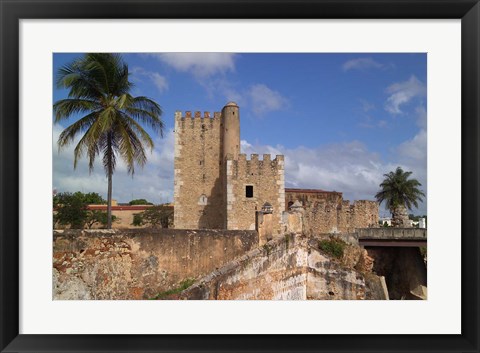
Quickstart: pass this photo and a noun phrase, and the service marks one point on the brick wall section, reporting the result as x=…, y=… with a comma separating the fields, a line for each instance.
x=198, y=166
x=267, y=178
x=139, y=264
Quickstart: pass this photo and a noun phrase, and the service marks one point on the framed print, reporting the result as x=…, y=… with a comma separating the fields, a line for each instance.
x=333, y=97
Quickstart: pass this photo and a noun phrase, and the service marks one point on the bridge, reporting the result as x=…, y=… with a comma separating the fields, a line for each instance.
x=392, y=237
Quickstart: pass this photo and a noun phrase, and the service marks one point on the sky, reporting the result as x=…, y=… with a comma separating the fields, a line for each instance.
x=341, y=120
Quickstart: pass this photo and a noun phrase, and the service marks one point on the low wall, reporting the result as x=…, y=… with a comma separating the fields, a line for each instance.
x=140, y=263
x=392, y=233
x=286, y=268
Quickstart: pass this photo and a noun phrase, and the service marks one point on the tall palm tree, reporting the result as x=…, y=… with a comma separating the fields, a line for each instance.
x=399, y=192
x=111, y=119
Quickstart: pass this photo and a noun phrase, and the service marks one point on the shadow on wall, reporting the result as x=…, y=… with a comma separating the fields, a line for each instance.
x=404, y=270
x=212, y=215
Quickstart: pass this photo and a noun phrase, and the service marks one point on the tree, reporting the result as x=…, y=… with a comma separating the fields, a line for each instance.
x=399, y=192
x=97, y=216
x=139, y=202
x=156, y=216
x=111, y=118
x=71, y=210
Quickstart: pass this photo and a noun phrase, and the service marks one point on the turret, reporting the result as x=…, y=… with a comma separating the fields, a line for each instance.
x=231, y=130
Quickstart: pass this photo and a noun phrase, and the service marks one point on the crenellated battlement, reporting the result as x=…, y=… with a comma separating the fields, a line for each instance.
x=255, y=165
x=197, y=115
x=216, y=187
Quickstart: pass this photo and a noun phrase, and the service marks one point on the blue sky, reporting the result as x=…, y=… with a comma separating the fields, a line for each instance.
x=341, y=120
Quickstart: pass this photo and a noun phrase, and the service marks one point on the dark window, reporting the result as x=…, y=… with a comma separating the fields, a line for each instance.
x=249, y=191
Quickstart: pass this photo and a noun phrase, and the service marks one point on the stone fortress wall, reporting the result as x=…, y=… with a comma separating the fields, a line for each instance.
x=215, y=186
x=327, y=212
x=198, y=187
x=266, y=179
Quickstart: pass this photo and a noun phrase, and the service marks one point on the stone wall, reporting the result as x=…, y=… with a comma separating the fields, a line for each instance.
x=287, y=268
x=138, y=264
x=267, y=179
x=393, y=233
x=329, y=217
x=309, y=196
x=198, y=186
x=327, y=212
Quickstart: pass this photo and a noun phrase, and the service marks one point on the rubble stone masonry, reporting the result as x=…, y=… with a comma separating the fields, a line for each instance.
x=215, y=186
x=266, y=179
x=327, y=212
x=198, y=186
x=138, y=264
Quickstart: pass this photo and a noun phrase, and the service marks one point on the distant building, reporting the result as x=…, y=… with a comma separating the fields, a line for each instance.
x=422, y=223
x=386, y=220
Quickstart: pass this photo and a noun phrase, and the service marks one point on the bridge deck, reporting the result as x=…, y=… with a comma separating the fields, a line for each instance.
x=392, y=237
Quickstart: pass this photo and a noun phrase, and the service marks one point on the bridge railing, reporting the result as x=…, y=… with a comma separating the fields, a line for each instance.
x=392, y=233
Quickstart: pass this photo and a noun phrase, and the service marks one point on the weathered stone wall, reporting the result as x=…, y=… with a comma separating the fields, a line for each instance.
x=328, y=217
x=198, y=186
x=267, y=179
x=211, y=175
x=138, y=264
x=286, y=268
x=393, y=233
x=327, y=212
x=309, y=196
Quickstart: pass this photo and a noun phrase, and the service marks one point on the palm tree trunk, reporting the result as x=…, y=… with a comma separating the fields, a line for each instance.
x=109, y=200
x=109, y=195
x=400, y=217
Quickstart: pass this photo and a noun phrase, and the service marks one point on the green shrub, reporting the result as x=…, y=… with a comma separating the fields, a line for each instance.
x=183, y=285
x=334, y=247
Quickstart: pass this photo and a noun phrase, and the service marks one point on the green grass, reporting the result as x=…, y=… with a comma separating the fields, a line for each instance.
x=183, y=285
x=333, y=247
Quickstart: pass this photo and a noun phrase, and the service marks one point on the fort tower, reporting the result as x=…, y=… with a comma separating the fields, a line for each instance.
x=215, y=186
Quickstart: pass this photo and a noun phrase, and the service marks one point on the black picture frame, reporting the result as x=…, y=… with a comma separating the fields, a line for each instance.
x=12, y=11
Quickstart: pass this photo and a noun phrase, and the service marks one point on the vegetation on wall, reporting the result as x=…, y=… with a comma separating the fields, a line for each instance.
x=183, y=285
x=332, y=246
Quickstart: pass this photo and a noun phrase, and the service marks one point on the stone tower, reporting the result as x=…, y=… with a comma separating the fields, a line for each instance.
x=215, y=186
x=231, y=130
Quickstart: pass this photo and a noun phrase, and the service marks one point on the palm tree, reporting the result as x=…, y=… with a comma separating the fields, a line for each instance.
x=399, y=192
x=111, y=119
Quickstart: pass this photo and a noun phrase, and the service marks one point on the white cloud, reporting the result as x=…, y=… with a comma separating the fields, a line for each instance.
x=158, y=80
x=259, y=98
x=362, y=64
x=264, y=99
x=421, y=116
x=366, y=105
x=201, y=65
x=403, y=92
x=347, y=167
x=414, y=151
x=154, y=182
